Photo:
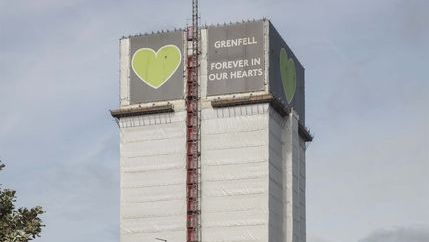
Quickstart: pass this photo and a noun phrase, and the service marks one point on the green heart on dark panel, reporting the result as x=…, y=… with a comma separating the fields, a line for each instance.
x=156, y=67
x=286, y=74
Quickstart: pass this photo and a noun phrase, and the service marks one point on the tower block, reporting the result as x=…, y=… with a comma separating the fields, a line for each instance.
x=248, y=119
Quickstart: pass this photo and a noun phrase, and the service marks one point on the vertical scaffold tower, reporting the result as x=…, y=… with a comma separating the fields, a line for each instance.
x=193, y=132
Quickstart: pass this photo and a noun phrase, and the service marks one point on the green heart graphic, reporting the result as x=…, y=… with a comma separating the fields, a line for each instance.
x=156, y=68
x=288, y=75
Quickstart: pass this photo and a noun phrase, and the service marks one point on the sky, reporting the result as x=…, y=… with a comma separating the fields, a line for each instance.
x=367, y=95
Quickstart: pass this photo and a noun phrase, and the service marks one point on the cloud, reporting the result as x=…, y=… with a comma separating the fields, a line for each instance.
x=399, y=235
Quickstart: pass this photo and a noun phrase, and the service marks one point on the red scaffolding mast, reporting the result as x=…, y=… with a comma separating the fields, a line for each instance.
x=193, y=132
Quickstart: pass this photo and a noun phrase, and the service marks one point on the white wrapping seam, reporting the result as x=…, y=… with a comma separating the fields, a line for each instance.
x=162, y=133
x=237, y=187
x=233, y=162
x=153, y=226
x=215, y=126
x=231, y=150
x=242, y=139
x=152, y=156
x=173, y=145
x=235, y=125
x=152, y=216
x=234, y=210
x=153, y=209
x=236, y=234
x=242, y=194
x=154, y=161
x=246, y=220
x=243, y=129
x=141, y=199
x=171, y=236
x=151, y=168
x=235, y=172
x=174, y=234
x=246, y=154
x=235, y=203
x=160, y=184
x=158, y=193
x=154, y=198
x=157, y=178
x=235, y=178
x=236, y=240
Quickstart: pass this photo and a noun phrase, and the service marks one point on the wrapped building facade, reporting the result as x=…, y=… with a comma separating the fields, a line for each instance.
x=252, y=136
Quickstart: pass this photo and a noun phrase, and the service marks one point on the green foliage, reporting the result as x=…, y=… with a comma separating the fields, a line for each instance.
x=17, y=225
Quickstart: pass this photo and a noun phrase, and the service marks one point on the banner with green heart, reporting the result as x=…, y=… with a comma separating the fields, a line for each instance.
x=288, y=75
x=156, y=68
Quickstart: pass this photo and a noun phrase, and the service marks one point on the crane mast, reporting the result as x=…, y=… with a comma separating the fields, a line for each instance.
x=193, y=146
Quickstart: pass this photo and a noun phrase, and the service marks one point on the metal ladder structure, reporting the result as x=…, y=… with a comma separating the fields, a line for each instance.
x=193, y=146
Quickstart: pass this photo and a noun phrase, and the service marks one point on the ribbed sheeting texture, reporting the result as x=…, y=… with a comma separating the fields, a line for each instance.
x=253, y=176
x=235, y=174
x=153, y=178
x=286, y=180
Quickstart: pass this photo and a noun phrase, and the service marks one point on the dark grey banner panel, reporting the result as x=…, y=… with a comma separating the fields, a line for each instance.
x=235, y=58
x=287, y=79
x=156, y=67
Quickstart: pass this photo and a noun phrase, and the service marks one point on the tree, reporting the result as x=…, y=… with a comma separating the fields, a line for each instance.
x=17, y=225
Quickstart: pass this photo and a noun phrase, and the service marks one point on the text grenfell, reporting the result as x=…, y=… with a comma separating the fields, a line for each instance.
x=235, y=42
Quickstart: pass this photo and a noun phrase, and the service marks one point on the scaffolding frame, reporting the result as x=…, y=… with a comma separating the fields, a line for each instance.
x=193, y=135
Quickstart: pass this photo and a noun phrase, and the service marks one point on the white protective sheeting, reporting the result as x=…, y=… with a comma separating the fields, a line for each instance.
x=287, y=180
x=235, y=174
x=124, y=71
x=252, y=170
x=153, y=178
